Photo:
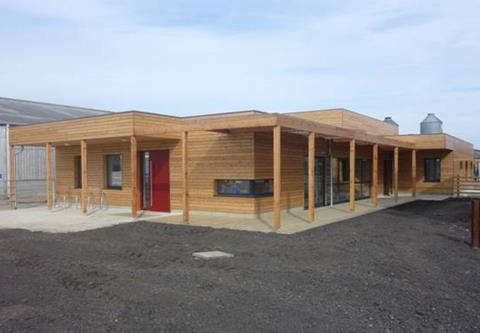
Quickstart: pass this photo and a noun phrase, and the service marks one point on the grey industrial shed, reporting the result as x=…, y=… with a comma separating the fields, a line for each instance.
x=30, y=172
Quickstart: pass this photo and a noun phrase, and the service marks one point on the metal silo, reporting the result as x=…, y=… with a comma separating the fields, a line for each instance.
x=431, y=125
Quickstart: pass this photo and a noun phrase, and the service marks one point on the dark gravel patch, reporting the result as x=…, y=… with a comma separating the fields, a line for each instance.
x=408, y=268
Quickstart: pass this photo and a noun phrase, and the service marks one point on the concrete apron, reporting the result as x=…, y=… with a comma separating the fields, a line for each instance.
x=63, y=220
x=293, y=220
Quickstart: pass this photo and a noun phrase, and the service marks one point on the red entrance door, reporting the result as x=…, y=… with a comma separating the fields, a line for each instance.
x=160, y=180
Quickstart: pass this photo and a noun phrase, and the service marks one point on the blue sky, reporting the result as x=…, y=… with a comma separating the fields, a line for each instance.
x=381, y=58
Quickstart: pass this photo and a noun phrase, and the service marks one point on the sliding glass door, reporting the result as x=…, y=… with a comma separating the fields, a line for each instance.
x=340, y=179
x=332, y=180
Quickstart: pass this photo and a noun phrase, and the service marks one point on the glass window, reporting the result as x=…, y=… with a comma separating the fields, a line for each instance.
x=78, y=171
x=345, y=169
x=341, y=176
x=244, y=187
x=263, y=186
x=432, y=170
x=114, y=171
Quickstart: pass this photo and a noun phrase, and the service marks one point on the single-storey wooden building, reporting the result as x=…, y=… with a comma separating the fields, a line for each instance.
x=243, y=162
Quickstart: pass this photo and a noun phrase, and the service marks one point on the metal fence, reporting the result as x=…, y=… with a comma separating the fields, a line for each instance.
x=30, y=171
x=3, y=161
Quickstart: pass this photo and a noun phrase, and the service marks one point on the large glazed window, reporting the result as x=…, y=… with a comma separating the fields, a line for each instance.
x=432, y=170
x=114, y=172
x=340, y=176
x=244, y=187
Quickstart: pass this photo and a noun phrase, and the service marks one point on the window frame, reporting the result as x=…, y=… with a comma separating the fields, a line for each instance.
x=107, y=176
x=439, y=165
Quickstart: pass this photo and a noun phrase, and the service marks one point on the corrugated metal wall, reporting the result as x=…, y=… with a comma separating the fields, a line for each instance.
x=3, y=162
x=30, y=171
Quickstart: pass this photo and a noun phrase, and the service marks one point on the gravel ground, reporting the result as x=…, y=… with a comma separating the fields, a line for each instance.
x=408, y=268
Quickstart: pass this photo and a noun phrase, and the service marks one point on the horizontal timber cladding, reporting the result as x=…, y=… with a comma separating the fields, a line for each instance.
x=370, y=125
x=349, y=119
x=445, y=186
x=143, y=124
x=461, y=148
x=219, y=156
x=99, y=127
x=439, y=141
x=211, y=156
x=65, y=184
x=294, y=150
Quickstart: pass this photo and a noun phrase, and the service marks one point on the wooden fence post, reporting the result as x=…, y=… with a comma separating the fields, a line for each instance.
x=475, y=229
x=458, y=186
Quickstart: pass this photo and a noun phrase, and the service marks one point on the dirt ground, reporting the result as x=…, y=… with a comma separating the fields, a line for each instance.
x=408, y=268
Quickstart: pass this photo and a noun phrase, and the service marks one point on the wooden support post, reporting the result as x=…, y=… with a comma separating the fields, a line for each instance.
x=352, y=175
x=185, y=196
x=12, y=196
x=49, y=175
x=395, y=173
x=458, y=186
x=311, y=177
x=83, y=157
x=277, y=176
x=330, y=156
x=475, y=229
x=414, y=173
x=134, y=174
x=375, y=176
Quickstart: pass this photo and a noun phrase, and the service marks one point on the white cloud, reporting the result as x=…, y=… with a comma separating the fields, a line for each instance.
x=382, y=58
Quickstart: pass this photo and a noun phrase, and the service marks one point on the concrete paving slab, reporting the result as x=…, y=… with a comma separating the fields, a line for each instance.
x=209, y=255
x=62, y=220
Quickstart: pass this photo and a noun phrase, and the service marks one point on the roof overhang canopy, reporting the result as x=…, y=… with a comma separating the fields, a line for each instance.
x=151, y=126
x=262, y=122
x=106, y=128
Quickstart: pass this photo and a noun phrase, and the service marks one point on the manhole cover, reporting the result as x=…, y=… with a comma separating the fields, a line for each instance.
x=212, y=255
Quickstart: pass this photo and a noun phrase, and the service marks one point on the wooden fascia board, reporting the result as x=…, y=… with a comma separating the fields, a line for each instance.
x=420, y=143
x=55, y=131
x=68, y=130
x=337, y=132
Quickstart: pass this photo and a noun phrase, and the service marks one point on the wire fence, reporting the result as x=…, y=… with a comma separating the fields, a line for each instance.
x=27, y=191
